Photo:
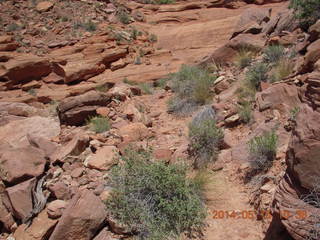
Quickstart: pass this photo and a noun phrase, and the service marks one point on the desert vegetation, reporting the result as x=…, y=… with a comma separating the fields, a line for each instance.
x=192, y=89
x=98, y=124
x=306, y=11
x=154, y=200
x=263, y=150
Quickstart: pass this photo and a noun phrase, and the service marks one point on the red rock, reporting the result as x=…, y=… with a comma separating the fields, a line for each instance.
x=103, y=111
x=251, y=20
x=278, y=96
x=20, y=196
x=18, y=164
x=40, y=228
x=56, y=208
x=44, y=6
x=6, y=218
x=76, y=110
x=162, y=154
x=104, y=158
x=75, y=147
x=104, y=234
x=23, y=68
x=134, y=132
x=77, y=172
x=82, y=218
x=15, y=132
x=60, y=191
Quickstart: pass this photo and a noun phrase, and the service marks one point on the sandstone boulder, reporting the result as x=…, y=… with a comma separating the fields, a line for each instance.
x=40, y=228
x=251, y=21
x=44, y=6
x=20, y=197
x=76, y=110
x=134, y=132
x=21, y=68
x=56, y=208
x=19, y=164
x=81, y=219
x=104, y=158
x=279, y=96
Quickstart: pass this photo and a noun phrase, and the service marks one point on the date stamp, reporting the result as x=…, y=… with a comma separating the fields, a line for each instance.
x=264, y=214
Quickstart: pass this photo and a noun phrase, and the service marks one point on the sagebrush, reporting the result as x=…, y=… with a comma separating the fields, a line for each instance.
x=191, y=86
x=152, y=199
x=99, y=124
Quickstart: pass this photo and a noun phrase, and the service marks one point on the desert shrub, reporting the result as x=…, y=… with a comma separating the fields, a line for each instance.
x=181, y=106
x=282, y=70
x=98, y=124
x=153, y=38
x=161, y=83
x=273, y=53
x=245, y=112
x=138, y=61
x=191, y=86
x=32, y=92
x=205, y=138
x=152, y=199
x=243, y=58
x=263, y=150
x=293, y=113
x=90, y=26
x=256, y=74
x=127, y=81
x=146, y=88
x=307, y=11
x=123, y=16
x=12, y=27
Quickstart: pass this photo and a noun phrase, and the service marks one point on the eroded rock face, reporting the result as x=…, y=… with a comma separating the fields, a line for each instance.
x=81, y=219
x=76, y=110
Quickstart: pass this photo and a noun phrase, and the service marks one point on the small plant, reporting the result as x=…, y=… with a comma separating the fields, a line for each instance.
x=135, y=33
x=99, y=124
x=205, y=138
x=153, y=38
x=13, y=27
x=191, y=86
x=282, y=70
x=161, y=83
x=243, y=58
x=154, y=200
x=123, y=16
x=89, y=26
x=137, y=61
x=256, y=74
x=263, y=150
x=273, y=53
x=306, y=11
x=102, y=88
x=127, y=81
x=146, y=88
x=32, y=92
x=293, y=113
x=245, y=112
x=164, y=1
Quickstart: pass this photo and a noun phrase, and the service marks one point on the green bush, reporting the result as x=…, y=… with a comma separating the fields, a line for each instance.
x=263, y=150
x=273, y=53
x=191, y=86
x=256, y=74
x=205, y=138
x=99, y=124
x=307, y=11
x=123, y=16
x=90, y=26
x=152, y=199
x=243, y=58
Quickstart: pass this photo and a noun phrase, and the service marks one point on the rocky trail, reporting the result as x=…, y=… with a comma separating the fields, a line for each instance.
x=80, y=81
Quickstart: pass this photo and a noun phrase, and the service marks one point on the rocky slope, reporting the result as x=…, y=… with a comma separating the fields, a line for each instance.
x=66, y=61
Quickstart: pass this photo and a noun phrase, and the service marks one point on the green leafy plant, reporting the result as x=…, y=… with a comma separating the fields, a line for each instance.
x=274, y=53
x=154, y=200
x=123, y=16
x=205, y=138
x=191, y=86
x=263, y=150
x=98, y=124
x=307, y=11
x=256, y=74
